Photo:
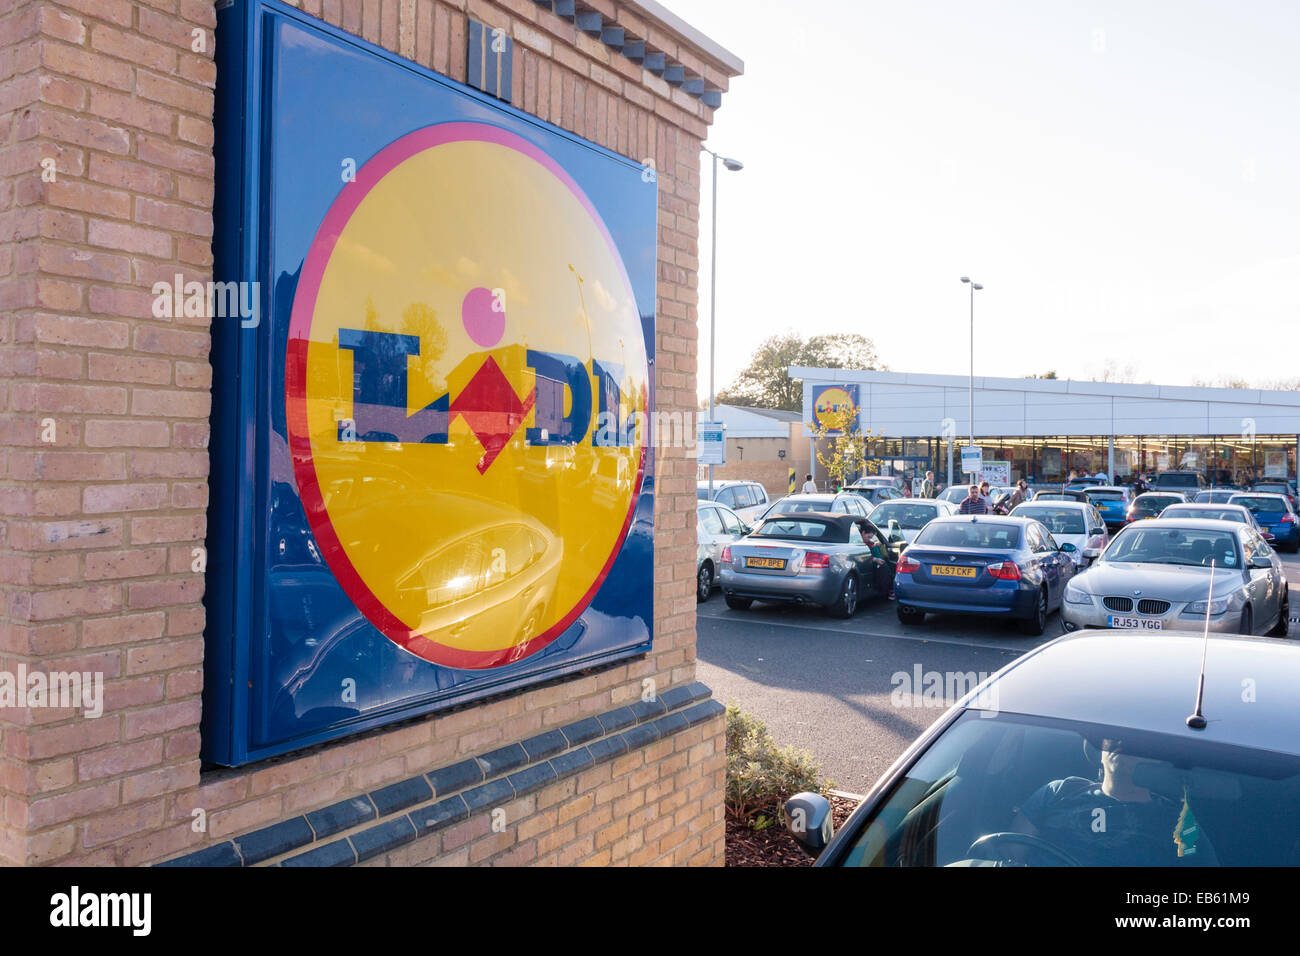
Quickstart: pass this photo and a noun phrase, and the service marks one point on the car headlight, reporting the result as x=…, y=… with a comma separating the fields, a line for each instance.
x=1214, y=607
x=1074, y=595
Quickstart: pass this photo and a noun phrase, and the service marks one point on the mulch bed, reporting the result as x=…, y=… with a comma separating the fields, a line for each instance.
x=775, y=846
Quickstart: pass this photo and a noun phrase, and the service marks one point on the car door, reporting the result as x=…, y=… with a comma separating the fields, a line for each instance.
x=712, y=535
x=1266, y=585
x=1048, y=559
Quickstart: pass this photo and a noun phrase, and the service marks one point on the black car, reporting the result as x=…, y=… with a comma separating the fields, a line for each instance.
x=1188, y=482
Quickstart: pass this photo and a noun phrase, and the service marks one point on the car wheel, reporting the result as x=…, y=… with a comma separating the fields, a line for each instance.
x=910, y=615
x=1247, y=621
x=704, y=582
x=739, y=603
x=1035, y=625
x=1283, y=626
x=848, y=602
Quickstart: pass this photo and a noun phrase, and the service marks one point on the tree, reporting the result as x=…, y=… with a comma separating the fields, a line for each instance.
x=766, y=382
x=1050, y=374
x=845, y=455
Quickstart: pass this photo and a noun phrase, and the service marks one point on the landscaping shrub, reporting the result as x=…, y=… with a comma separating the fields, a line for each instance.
x=760, y=775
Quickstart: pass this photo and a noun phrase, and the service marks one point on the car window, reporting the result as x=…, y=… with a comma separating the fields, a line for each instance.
x=969, y=534
x=710, y=521
x=1058, y=520
x=1149, y=543
x=727, y=496
x=1258, y=504
x=731, y=523
x=759, y=494
x=994, y=772
x=803, y=530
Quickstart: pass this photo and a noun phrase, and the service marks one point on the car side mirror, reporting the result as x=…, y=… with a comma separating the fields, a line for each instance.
x=1068, y=548
x=1258, y=560
x=746, y=529
x=895, y=535
x=808, y=818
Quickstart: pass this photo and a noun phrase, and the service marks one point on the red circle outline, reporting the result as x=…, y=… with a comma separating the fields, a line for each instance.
x=295, y=379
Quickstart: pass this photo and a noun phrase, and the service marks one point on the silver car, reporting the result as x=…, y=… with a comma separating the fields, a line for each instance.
x=814, y=557
x=716, y=526
x=1155, y=575
x=910, y=515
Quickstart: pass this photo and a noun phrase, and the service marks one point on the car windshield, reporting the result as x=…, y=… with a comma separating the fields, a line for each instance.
x=827, y=532
x=1216, y=514
x=1044, y=792
x=1106, y=495
x=1151, y=543
x=788, y=507
x=1259, y=504
x=1215, y=497
x=1154, y=503
x=970, y=534
x=1058, y=520
x=909, y=517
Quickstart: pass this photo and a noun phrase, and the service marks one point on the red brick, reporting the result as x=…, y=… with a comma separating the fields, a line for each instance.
x=101, y=565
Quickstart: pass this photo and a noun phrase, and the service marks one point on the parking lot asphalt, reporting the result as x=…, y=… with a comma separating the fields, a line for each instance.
x=825, y=685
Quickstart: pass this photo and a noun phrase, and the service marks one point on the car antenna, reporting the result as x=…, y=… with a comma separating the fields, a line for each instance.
x=1197, y=719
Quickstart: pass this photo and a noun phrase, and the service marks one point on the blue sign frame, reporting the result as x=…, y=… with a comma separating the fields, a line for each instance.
x=294, y=95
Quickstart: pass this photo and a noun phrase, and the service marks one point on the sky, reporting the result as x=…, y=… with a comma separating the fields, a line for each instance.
x=1123, y=178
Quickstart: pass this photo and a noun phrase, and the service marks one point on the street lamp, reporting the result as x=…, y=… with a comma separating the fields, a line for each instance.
x=974, y=287
x=733, y=165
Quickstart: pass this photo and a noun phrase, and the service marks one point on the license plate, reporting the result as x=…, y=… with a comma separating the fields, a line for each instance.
x=949, y=571
x=1137, y=623
x=777, y=564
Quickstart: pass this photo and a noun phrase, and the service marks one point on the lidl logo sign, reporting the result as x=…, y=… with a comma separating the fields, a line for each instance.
x=466, y=388
x=835, y=406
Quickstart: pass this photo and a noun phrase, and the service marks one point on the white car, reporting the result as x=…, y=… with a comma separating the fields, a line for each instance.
x=746, y=498
x=910, y=515
x=1075, y=522
x=716, y=526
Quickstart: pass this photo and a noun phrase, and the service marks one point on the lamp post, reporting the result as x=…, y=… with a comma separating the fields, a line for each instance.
x=974, y=287
x=734, y=165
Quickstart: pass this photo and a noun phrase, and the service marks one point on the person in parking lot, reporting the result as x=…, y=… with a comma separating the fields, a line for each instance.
x=927, y=486
x=809, y=486
x=973, y=503
x=1020, y=495
x=1115, y=821
x=984, y=493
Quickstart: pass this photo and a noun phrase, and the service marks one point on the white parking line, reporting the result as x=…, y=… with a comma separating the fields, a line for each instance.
x=1023, y=647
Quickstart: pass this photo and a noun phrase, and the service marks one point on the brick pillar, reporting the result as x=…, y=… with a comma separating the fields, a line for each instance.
x=106, y=187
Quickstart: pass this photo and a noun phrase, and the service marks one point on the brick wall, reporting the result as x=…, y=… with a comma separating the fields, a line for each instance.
x=104, y=431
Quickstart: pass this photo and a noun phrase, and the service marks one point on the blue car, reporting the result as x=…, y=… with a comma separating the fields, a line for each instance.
x=983, y=564
x=1275, y=515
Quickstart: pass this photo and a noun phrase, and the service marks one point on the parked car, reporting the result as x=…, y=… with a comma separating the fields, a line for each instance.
x=1275, y=515
x=1277, y=487
x=954, y=493
x=1149, y=504
x=985, y=565
x=843, y=503
x=1112, y=501
x=880, y=481
x=1075, y=522
x=874, y=494
x=812, y=557
x=910, y=515
x=716, y=526
x=1188, y=482
x=1156, y=576
x=1224, y=512
x=1065, y=494
x=746, y=498
x=1084, y=482
x=1015, y=772
x=1215, y=496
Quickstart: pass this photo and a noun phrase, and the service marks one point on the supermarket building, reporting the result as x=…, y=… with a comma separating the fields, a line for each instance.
x=358, y=556
x=1046, y=428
